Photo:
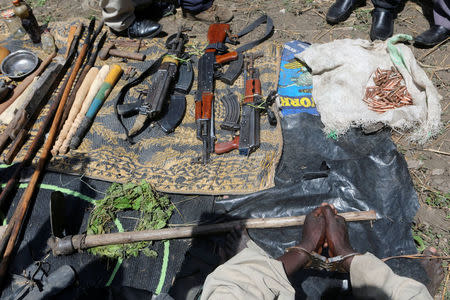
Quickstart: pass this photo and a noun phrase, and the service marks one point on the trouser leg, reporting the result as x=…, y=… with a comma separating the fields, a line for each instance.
x=391, y=5
x=441, y=13
x=117, y=14
x=196, y=5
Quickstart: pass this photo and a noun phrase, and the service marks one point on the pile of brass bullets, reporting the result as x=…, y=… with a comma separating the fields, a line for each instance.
x=389, y=91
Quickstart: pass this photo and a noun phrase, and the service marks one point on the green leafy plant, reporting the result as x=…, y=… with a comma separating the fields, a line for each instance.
x=155, y=211
x=438, y=199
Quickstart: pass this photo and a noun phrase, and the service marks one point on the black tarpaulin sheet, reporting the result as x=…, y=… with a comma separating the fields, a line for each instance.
x=354, y=172
x=140, y=272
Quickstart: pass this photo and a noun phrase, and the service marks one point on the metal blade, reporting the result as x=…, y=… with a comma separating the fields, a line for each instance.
x=57, y=214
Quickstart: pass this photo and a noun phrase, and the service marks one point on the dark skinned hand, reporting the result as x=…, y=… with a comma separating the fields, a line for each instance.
x=337, y=235
x=312, y=240
x=313, y=235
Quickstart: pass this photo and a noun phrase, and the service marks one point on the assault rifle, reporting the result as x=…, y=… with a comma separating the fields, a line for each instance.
x=204, y=100
x=216, y=54
x=252, y=106
x=163, y=81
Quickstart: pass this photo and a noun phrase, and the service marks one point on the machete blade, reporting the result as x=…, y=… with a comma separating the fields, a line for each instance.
x=57, y=214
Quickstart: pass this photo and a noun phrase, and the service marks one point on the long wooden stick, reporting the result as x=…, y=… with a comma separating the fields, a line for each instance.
x=80, y=242
x=21, y=210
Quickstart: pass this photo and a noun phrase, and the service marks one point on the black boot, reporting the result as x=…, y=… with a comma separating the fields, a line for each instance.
x=140, y=28
x=432, y=36
x=342, y=9
x=382, y=24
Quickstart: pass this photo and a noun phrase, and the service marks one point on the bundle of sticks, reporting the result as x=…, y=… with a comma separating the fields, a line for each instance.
x=389, y=91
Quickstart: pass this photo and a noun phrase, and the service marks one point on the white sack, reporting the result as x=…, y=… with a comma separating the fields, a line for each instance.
x=343, y=69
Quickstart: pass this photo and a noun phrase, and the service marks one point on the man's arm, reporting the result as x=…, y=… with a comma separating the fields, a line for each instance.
x=372, y=278
x=253, y=274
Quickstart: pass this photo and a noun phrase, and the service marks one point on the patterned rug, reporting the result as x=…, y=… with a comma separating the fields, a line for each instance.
x=167, y=161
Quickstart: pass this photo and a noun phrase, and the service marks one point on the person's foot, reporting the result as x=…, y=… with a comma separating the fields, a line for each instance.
x=341, y=10
x=155, y=10
x=434, y=270
x=140, y=29
x=382, y=24
x=432, y=36
x=235, y=242
x=214, y=14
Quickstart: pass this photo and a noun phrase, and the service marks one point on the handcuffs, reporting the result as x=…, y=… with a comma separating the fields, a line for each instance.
x=319, y=262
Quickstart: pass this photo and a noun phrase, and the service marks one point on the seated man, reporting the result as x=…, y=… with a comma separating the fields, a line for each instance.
x=120, y=17
x=253, y=274
x=383, y=15
x=440, y=31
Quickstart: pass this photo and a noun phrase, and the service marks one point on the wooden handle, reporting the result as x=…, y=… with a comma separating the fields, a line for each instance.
x=207, y=99
x=78, y=102
x=84, y=108
x=252, y=88
x=129, y=55
x=220, y=148
x=224, y=58
x=113, y=76
x=193, y=231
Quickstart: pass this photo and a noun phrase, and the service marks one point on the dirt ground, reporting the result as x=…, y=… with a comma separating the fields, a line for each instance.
x=305, y=20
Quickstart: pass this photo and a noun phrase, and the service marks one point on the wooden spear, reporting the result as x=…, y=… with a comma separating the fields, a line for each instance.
x=70, y=244
x=19, y=214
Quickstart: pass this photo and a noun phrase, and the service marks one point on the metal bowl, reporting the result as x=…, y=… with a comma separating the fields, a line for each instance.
x=19, y=64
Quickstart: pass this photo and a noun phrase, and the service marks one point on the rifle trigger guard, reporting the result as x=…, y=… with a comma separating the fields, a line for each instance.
x=232, y=38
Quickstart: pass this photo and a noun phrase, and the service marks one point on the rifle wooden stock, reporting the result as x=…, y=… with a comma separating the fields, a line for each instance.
x=218, y=32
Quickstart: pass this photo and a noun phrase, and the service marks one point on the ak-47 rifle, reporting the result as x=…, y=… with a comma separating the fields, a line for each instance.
x=163, y=81
x=204, y=100
x=217, y=54
x=252, y=106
